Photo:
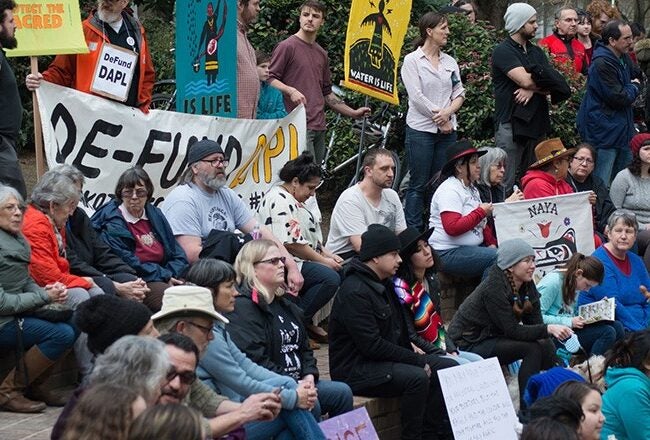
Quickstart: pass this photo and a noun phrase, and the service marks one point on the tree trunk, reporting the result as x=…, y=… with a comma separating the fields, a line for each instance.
x=492, y=11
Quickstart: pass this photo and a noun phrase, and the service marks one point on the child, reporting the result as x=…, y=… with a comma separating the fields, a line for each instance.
x=271, y=103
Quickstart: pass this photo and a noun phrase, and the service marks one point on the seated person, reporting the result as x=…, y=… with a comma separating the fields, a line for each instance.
x=626, y=277
x=461, y=238
x=202, y=202
x=139, y=234
x=502, y=316
x=44, y=342
x=370, y=348
x=545, y=177
x=90, y=256
x=370, y=201
x=269, y=328
x=283, y=211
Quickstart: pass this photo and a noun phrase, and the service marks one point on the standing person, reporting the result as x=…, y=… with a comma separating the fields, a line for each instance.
x=601, y=12
x=111, y=23
x=626, y=403
x=10, y=172
x=514, y=88
x=558, y=293
x=436, y=93
x=631, y=190
x=563, y=44
x=605, y=118
x=248, y=83
x=583, y=34
x=300, y=70
x=271, y=103
x=502, y=316
x=468, y=8
x=370, y=348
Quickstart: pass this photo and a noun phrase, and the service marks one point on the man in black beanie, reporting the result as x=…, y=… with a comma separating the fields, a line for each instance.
x=370, y=348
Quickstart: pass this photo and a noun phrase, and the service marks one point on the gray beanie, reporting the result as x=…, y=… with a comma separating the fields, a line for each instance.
x=512, y=252
x=517, y=15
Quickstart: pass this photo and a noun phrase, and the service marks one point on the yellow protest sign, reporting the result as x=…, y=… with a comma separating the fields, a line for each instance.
x=373, y=43
x=48, y=27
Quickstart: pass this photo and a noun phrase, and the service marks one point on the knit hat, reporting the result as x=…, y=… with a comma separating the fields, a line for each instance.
x=544, y=384
x=517, y=15
x=378, y=240
x=638, y=141
x=106, y=318
x=512, y=252
x=201, y=149
x=188, y=300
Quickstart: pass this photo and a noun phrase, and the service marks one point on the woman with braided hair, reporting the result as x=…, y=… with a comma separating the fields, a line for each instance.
x=559, y=290
x=502, y=316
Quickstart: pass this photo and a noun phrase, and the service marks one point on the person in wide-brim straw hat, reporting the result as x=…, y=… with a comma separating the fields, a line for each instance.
x=545, y=177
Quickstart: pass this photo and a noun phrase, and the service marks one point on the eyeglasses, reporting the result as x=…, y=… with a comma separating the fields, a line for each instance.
x=139, y=193
x=584, y=160
x=274, y=261
x=205, y=329
x=217, y=162
x=12, y=207
x=186, y=378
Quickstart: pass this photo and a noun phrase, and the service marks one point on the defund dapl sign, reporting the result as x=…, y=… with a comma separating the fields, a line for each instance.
x=103, y=138
x=114, y=72
x=478, y=401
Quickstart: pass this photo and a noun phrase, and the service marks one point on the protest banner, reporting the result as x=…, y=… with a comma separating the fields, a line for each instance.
x=373, y=44
x=353, y=425
x=103, y=139
x=206, y=57
x=478, y=401
x=556, y=227
x=48, y=27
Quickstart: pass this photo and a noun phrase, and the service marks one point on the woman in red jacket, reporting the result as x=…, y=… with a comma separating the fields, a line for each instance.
x=545, y=177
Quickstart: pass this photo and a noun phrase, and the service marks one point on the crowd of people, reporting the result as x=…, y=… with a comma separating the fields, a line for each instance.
x=199, y=318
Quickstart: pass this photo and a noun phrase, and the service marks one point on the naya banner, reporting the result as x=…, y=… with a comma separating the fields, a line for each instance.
x=103, y=139
x=373, y=44
x=48, y=27
x=556, y=227
x=206, y=57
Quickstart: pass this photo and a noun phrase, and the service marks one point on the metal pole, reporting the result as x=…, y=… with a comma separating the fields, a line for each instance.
x=361, y=143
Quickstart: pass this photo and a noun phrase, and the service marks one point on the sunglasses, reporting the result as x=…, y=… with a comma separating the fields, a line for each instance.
x=186, y=378
x=274, y=261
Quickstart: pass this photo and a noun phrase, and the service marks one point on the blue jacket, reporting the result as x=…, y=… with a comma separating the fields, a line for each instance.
x=112, y=228
x=228, y=371
x=631, y=306
x=626, y=404
x=605, y=115
x=271, y=103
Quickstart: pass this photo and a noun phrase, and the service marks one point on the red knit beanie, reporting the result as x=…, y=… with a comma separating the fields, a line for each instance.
x=639, y=141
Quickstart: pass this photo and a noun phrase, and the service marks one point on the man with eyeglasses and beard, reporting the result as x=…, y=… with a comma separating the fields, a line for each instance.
x=202, y=202
x=10, y=172
x=185, y=322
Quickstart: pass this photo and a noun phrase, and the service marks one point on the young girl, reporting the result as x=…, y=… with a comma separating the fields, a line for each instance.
x=559, y=290
x=589, y=398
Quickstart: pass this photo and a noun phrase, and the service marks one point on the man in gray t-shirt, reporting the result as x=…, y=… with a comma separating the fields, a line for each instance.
x=370, y=201
x=202, y=202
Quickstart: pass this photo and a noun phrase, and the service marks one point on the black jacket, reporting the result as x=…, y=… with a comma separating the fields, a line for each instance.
x=487, y=313
x=251, y=329
x=604, y=205
x=368, y=330
x=87, y=253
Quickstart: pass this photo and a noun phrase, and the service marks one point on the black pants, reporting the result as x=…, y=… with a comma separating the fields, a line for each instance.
x=535, y=356
x=10, y=172
x=423, y=411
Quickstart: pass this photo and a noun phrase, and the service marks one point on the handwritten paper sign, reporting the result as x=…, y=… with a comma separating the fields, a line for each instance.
x=478, y=401
x=353, y=425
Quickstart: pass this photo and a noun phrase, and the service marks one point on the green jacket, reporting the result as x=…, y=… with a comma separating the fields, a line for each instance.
x=18, y=291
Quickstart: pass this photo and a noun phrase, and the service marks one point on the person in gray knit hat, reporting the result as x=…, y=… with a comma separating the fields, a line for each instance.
x=502, y=316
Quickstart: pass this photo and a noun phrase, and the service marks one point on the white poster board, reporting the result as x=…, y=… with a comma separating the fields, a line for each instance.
x=114, y=72
x=478, y=401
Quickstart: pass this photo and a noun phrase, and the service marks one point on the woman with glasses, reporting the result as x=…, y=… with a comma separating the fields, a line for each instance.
x=626, y=277
x=581, y=177
x=502, y=316
x=545, y=177
x=44, y=342
x=559, y=290
x=631, y=190
x=283, y=211
x=139, y=234
x=269, y=329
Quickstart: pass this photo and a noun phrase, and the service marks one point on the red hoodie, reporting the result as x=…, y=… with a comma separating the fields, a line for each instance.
x=538, y=183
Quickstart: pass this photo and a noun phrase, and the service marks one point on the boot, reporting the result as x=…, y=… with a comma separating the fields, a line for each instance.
x=13, y=387
x=39, y=392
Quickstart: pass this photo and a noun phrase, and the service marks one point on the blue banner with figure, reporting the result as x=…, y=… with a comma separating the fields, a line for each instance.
x=206, y=57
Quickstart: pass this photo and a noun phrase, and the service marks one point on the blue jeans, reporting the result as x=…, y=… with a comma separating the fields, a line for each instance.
x=611, y=161
x=599, y=337
x=51, y=338
x=426, y=153
x=319, y=287
x=289, y=424
x=334, y=398
x=464, y=357
x=467, y=261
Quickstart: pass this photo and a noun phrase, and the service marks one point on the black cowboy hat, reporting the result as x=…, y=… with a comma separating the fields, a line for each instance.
x=459, y=150
x=409, y=238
